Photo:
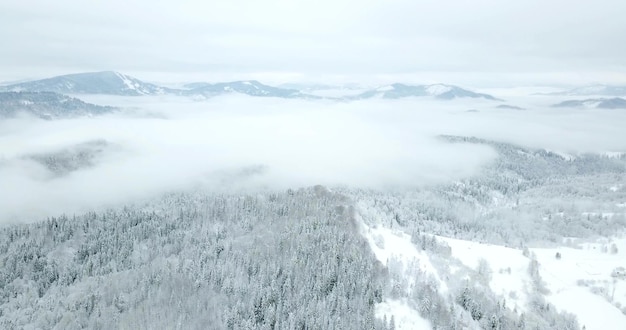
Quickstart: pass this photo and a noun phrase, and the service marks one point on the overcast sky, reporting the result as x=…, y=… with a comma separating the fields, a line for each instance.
x=487, y=41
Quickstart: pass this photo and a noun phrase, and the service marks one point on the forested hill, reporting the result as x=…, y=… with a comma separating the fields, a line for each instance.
x=289, y=260
x=510, y=200
x=276, y=261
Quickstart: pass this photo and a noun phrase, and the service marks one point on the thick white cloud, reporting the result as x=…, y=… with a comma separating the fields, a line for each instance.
x=289, y=143
x=315, y=37
x=255, y=143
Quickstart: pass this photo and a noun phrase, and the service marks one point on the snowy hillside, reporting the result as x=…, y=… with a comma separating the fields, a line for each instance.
x=439, y=91
x=47, y=105
x=105, y=82
x=284, y=260
x=247, y=87
x=115, y=83
x=587, y=272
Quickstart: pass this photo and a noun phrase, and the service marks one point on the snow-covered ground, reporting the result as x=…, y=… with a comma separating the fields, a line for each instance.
x=509, y=268
x=438, y=89
x=579, y=282
x=386, y=245
x=404, y=316
x=573, y=279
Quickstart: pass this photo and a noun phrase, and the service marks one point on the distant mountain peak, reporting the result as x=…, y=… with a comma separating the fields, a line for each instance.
x=116, y=83
x=101, y=82
x=247, y=87
x=440, y=91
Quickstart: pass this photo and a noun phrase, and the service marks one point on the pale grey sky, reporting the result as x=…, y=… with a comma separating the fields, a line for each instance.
x=488, y=41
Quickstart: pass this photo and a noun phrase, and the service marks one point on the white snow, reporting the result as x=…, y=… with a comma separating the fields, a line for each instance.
x=404, y=316
x=387, y=244
x=438, y=89
x=563, y=155
x=590, y=104
x=250, y=83
x=128, y=82
x=614, y=154
x=592, y=311
x=513, y=285
x=563, y=278
x=590, y=264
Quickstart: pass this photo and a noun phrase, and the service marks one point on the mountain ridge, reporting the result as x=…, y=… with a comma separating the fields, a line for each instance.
x=438, y=91
x=115, y=83
x=599, y=103
x=248, y=87
x=102, y=82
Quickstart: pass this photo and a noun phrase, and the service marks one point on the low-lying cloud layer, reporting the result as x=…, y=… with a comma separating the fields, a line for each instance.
x=228, y=143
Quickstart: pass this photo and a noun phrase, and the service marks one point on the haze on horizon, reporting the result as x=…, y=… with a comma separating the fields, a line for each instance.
x=480, y=43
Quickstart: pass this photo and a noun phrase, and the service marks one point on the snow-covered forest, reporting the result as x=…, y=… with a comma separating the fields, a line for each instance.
x=322, y=257
x=273, y=261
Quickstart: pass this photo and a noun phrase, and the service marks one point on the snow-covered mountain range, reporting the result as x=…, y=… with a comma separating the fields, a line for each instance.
x=601, y=103
x=247, y=87
x=105, y=82
x=115, y=83
x=438, y=91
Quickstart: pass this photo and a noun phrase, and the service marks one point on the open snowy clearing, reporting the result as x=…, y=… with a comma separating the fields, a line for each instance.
x=580, y=275
x=387, y=244
x=508, y=268
x=581, y=283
